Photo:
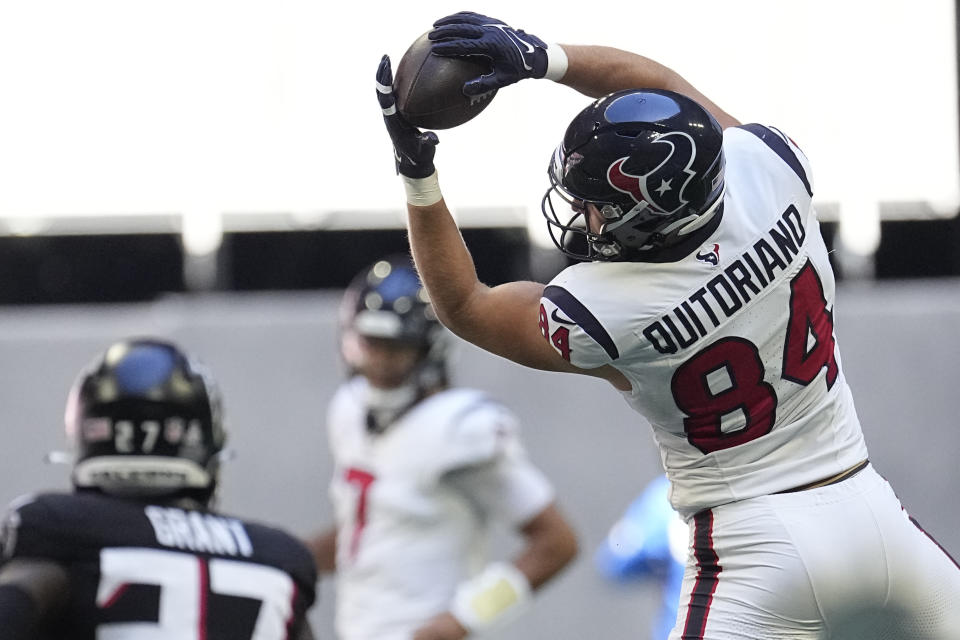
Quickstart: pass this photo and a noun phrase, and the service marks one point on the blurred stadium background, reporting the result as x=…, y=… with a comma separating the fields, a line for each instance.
x=215, y=172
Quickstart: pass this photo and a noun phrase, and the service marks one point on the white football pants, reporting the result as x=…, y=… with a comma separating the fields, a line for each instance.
x=841, y=562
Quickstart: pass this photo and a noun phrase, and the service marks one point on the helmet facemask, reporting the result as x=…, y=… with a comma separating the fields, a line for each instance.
x=576, y=232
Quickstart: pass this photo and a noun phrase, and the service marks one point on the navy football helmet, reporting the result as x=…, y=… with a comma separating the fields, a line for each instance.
x=145, y=420
x=388, y=301
x=650, y=161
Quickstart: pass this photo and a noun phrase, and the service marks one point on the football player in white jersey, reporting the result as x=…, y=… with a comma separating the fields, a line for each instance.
x=706, y=298
x=422, y=471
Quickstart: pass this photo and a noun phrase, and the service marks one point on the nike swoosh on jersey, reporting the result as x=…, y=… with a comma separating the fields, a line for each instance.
x=582, y=317
x=556, y=318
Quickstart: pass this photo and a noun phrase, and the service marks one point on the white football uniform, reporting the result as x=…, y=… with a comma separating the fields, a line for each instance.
x=730, y=350
x=413, y=504
x=733, y=360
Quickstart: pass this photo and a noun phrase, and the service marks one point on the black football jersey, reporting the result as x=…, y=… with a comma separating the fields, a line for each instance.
x=155, y=571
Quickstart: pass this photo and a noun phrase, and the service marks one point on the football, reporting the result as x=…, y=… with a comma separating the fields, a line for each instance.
x=429, y=88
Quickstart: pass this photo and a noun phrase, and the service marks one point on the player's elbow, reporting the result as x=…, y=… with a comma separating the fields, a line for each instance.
x=561, y=547
x=567, y=545
x=551, y=539
x=565, y=549
x=464, y=315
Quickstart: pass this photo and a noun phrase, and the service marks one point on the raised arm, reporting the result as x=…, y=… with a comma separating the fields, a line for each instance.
x=504, y=320
x=596, y=71
x=592, y=70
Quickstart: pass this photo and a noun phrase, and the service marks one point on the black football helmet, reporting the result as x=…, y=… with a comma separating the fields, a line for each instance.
x=145, y=420
x=651, y=161
x=387, y=300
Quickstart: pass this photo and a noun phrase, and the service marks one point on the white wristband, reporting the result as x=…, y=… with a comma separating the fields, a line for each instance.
x=423, y=191
x=556, y=62
x=498, y=594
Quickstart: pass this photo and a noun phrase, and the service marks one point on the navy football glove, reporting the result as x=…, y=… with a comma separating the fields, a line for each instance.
x=412, y=149
x=514, y=55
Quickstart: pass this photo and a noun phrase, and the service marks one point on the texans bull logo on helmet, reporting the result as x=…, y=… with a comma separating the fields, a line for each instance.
x=657, y=187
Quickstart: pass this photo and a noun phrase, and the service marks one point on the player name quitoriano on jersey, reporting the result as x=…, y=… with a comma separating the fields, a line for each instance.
x=728, y=292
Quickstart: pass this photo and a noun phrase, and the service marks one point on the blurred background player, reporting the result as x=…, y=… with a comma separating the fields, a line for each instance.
x=649, y=543
x=137, y=550
x=421, y=473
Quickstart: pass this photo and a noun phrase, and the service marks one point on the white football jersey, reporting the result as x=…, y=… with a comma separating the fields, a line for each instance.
x=413, y=504
x=731, y=350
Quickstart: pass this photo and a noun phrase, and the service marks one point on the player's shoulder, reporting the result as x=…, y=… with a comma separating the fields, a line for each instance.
x=583, y=273
x=349, y=393
x=346, y=406
x=585, y=311
x=455, y=401
x=744, y=144
x=769, y=135
x=467, y=426
x=59, y=510
x=274, y=546
x=458, y=407
x=71, y=526
x=52, y=503
x=38, y=506
x=597, y=281
x=10, y=526
x=582, y=290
